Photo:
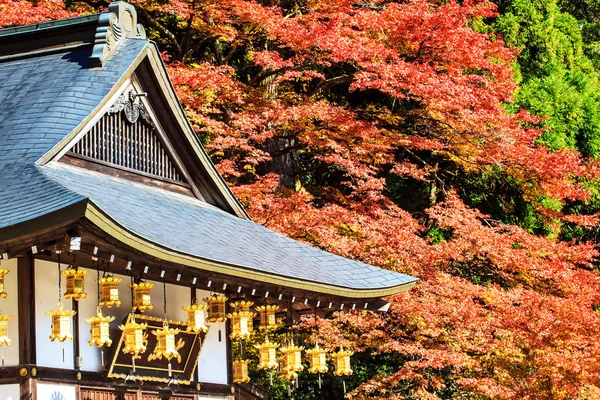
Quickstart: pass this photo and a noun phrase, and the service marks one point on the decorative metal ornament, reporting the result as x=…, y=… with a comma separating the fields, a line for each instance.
x=3, y=272
x=241, y=324
x=216, y=308
x=100, y=329
x=341, y=360
x=75, y=282
x=141, y=296
x=136, y=339
x=292, y=361
x=109, y=291
x=267, y=355
x=61, y=323
x=267, y=316
x=4, y=339
x=165, y=342
x=196, y=318
x=318, y=360
x=240, y=371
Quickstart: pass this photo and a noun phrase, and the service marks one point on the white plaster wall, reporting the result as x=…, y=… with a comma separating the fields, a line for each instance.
x=212, y=364
x=49, y=354
x=10, y=392
x=10, y=306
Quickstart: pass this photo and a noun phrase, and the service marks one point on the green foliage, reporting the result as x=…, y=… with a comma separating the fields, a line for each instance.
x=557, y=69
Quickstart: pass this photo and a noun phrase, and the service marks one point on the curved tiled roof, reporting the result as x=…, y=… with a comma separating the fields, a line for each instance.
x=45, y=97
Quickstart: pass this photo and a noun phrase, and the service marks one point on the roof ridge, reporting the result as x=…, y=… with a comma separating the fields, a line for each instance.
x=45, y=25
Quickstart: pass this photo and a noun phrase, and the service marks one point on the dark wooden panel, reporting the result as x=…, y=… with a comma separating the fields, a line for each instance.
x=26, y=290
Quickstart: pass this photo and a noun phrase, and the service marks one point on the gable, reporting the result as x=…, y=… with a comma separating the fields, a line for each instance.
x=126, y=137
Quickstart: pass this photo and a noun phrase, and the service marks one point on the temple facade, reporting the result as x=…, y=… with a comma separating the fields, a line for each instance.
x=116, y=230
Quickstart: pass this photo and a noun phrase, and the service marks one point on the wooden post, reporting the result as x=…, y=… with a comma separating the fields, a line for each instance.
x=26, y=290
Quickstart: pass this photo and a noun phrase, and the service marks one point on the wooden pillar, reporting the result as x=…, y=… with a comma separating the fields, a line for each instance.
x=26, y=290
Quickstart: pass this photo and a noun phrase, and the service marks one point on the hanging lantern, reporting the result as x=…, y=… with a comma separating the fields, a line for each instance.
x=267, y=355
x=341, y=360
x=61, y=323
x=241, y=324
x=318, y=361
x=100, y=329
x=241, y=305
x=75, y=282
x=240, y=371
x=291, y=361
x=267, y=316
x=216, y=308
x=3, y=272
x=196, y=317
x=165, y=342
x=4, y=339
x=109, y=291
x=136, y=339
x=141, y=296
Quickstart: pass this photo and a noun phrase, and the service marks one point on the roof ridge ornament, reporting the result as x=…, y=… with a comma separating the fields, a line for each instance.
x=118, y=23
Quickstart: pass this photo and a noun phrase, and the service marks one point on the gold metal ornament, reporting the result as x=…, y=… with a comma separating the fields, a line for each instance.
x=240, y=371
x=241, y=320
x=3, y=272
x=136, y=339
x=165, y=342
x=100, y=329
x=141, y=296
x=291, y=362
x=341, y=360
x=216, y=308
x=267, y=316
x=4, y=339
x=75, y=282
x=109, y=291
x=196, y=317
x=61, y=323
x=267, y=355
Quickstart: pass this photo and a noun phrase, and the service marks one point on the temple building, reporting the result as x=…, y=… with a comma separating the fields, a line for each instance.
x=108, y=204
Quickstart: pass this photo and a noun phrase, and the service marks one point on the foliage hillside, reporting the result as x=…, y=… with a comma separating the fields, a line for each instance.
x=452, y=141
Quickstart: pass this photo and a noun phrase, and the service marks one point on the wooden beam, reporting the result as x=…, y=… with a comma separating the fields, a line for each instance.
x=26, y=292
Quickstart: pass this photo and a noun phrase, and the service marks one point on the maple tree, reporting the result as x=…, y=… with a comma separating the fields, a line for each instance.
x=387, y=132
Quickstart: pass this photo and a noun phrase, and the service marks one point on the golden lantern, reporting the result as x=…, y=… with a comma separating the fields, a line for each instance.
x=291, y=361
x=3, y=293
x=267, y=355
x=241, y=324
x=318, y=361
x=165, y=342
x=240, y=371
x=196, y=317
x=4, y=339
x=61, y=323
x=75, y=282
x=100, y=329
x=109, y=291
x=136, y=339
x=216, y=308
x=141, y=296
x=267, y=316
x=341, y=360
x=241, y=305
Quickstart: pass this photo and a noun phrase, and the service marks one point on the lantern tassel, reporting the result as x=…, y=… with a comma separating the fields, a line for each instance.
x=102, y=357
x=289, y=390
x=170, y=371
x=63, y=351
x=271, y=378
x=297, y=381
x=344, y=384
x=133, y=363
x=2, y=358
x=319, y=380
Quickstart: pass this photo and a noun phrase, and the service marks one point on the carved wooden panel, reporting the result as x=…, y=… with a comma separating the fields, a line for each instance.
x=126, y=137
